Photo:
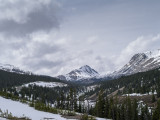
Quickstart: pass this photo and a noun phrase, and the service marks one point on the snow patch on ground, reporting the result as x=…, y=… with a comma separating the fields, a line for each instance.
x=93, y=87
x=46, y=84
x=3, y=118
x=139, y=94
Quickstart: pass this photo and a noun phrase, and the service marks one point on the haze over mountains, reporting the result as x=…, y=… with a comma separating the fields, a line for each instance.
x=140, y=62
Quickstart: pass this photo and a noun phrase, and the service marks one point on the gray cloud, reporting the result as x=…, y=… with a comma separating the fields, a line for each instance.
x=45, y=64
x=42, y=49
x=41, y=55
x=42, y=17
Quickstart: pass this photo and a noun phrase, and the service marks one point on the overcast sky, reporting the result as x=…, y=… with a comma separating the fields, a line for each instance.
x=52, y=37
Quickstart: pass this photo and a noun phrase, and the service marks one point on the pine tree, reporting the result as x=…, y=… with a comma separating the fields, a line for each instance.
x=156, y=113
x=101, y=104
x=111, y=110
x=62, y=101
x=128, y=109
x=147, y=114
x=135, y=110
x=80, y=106
x=116, y=109
x=71, y=99
x=106, y=112
x=142, y=116
x=158, y=92
x=75, y=100
x=68, y=103
x=123, y=111
x=58, y=102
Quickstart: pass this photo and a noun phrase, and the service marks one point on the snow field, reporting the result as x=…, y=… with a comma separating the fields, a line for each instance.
x=46, y=84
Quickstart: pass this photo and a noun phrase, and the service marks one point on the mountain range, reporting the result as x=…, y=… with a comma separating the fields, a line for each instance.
x=140, y=62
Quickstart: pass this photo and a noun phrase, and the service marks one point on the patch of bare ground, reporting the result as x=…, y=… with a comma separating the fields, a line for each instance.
x=92, y=97
x=115, y=92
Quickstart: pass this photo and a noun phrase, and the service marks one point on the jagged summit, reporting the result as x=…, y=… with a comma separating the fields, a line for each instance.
x=89, y=70
x=153, y=54
x=83, y=72
x=85, y=66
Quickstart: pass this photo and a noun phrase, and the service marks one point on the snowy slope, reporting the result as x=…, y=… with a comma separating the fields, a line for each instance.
x=46, y=84
x=84, y=72
x=140, y=62
x=11, y=68
x=20, y=110
x=3, y=118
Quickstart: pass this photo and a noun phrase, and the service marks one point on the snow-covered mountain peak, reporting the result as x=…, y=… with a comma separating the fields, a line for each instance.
x=89, y=70
x=85, y=67
x=84, y=72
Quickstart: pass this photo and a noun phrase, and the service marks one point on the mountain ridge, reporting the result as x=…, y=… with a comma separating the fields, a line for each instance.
x=12, y=68
x=140, y=62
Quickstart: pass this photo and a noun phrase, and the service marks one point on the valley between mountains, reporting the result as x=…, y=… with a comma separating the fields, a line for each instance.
x=130, y=93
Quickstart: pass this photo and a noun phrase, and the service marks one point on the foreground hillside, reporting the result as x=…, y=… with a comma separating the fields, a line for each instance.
x=22, y=110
